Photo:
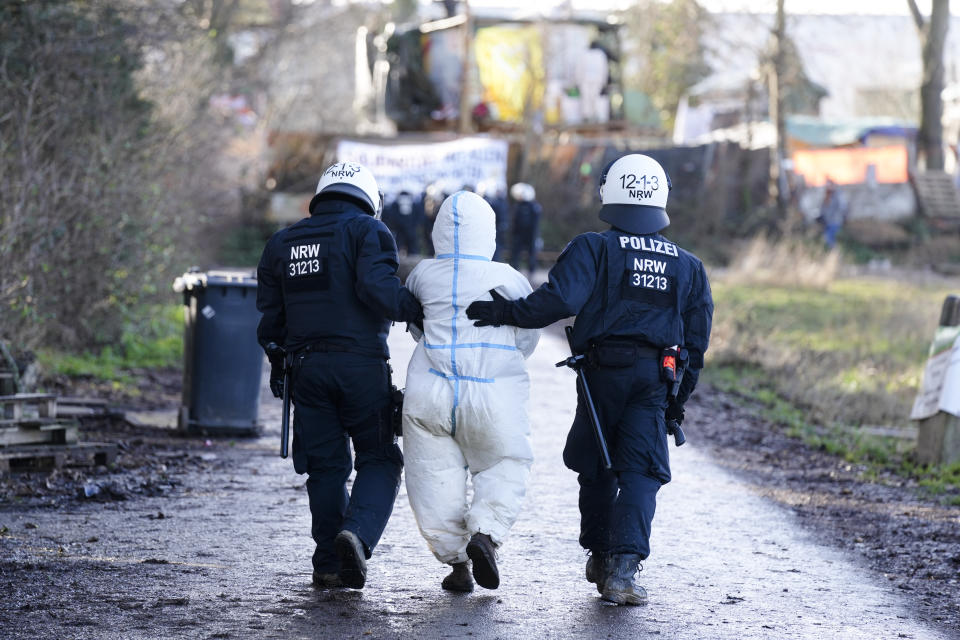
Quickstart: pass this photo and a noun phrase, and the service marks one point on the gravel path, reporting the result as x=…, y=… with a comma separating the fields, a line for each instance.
x=227, y=556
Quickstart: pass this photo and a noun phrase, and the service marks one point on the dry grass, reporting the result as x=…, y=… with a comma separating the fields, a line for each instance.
x=791, y=263
x=851, y=352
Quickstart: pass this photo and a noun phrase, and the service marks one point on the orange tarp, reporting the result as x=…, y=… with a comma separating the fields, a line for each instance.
x=849, y=166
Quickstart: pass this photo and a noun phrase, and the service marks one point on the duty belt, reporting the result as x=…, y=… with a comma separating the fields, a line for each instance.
x=620, y=352
x=641, y=348
x=327, y=347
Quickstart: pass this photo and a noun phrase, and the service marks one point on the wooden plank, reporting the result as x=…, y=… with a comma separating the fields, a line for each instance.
x=78, y=406
x=81, y=401
x=27, y=422
x=76, y=412
x=46, y=404
x=64, y=433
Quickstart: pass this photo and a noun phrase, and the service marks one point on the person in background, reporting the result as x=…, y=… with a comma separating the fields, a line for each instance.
x=526, y=225
x=833, y=213
x=497, y=200
x=433, y=197
x=404, y=216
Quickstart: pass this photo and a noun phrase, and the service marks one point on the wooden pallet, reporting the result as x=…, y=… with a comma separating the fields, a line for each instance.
x=37, y=431
x=20, y=405
x=48, y=457
x=937, y=194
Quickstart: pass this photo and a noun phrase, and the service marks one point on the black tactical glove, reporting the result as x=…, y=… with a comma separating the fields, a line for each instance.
x=418, y=321
x=276, y=355
x=490, y=314
x=674, y=413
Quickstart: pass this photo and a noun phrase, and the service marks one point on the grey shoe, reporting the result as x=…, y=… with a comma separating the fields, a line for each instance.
x=353, y=561
x=619, y=586
x=483, y=553
x=326, y=580
x=459, y=579
x=597, y=565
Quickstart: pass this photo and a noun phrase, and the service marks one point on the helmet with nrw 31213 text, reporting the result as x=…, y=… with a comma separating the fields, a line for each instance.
x=633, y=190
x=352, y=180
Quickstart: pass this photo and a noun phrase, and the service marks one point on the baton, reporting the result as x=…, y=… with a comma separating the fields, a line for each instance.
x=285, y=418
x=576, y=363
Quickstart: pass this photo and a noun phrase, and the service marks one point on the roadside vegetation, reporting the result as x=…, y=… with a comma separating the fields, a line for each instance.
x=153, y=341
x=836, y=359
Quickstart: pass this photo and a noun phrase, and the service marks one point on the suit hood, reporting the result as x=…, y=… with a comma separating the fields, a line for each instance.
x=465, y=226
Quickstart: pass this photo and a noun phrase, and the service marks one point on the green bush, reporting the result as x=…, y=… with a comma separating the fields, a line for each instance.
x=97, y=183
x=153, y=339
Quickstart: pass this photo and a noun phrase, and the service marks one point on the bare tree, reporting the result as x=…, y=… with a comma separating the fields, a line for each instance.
x=933, y=35
x=669, y=38
x=108, y=164
x=778, y=186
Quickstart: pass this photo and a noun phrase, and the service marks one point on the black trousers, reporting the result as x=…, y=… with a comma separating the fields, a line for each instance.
x=617, y=506
x=338, y=398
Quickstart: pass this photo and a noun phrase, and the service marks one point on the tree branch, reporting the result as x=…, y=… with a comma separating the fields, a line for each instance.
x=917, y=16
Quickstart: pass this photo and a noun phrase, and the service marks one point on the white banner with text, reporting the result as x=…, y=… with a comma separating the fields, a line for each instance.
x=467, y=162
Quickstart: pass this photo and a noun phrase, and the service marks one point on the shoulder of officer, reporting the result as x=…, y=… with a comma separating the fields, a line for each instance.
x=364, y=223
x=689, y=255
x=588, y=241
x=276, y=239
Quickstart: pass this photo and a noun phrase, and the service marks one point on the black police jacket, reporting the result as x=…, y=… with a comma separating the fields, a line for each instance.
x=620, y=284
x=332, y=279
x=526, y=218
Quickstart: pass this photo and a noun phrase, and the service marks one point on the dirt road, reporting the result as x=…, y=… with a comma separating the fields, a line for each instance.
x=226, y=554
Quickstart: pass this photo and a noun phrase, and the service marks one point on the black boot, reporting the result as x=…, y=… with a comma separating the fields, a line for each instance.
x=459, y=579
x=597, y=565
x=483, y=553
x=353, y=561
x=326, y=580
x=619, y=586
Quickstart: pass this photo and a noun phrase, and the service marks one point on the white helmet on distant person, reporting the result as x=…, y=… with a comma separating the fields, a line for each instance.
x=633, y=190
x=523, y=192
x=352, y=180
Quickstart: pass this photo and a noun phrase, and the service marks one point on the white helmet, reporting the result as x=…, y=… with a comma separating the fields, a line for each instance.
x=523, y=192
x=350, y=179
x=633, y=190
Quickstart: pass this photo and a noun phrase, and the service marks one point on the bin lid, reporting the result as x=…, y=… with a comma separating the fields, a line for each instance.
x=215, y=277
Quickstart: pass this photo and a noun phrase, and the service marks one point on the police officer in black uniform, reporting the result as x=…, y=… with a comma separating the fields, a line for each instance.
x=634, y=294
x=328, y=290
x=403, y=217
x=525, y=221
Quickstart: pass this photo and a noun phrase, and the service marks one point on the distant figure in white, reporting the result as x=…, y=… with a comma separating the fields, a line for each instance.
x=465, y=404
x=591, y=72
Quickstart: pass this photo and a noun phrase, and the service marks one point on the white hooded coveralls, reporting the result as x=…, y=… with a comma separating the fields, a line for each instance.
x=467, y=388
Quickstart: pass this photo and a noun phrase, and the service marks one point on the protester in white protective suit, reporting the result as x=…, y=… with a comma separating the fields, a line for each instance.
x=465, y=401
